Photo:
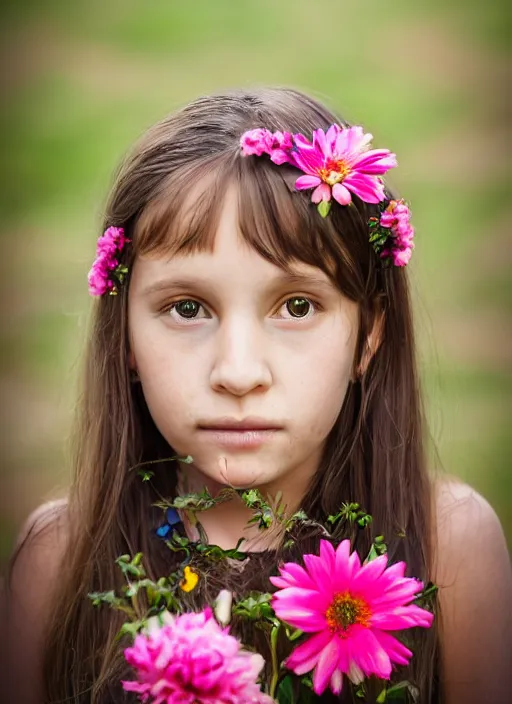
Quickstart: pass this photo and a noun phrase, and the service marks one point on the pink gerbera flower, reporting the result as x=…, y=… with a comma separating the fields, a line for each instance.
x=349, y=609
x=190, y=659
x=338, y=163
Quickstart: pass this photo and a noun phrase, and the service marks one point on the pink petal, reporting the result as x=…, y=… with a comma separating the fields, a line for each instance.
x=302, y=143
x=318, y=571
x=328, y=554
x=342, y=570
x=368, y=653
x=336, y=683
x=343, y=137
x=341, y=194
x=321, y=192
x=301, y=600
x=305, y=656
x=397, y=651
x=397, y=569
x=402, y=258
x=368, y=188
x=309, y=162
x=325, y=666
x=377, y=161
x=402, y=617
x=351, y=142
x=307, y=620
x=279, y=156
x=331, y=136
x=368, y=574
x=296, y=575
x=321, y=143
x=304, y=182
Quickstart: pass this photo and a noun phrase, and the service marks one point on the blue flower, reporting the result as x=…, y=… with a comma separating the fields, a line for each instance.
x=172, y=519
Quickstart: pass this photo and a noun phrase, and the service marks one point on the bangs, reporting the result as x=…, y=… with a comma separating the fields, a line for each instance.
x=278, y=222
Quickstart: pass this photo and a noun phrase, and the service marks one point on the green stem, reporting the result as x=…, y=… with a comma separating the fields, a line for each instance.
x=273, y=652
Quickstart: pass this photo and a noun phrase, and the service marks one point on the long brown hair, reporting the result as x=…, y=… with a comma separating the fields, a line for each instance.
x=375, y=452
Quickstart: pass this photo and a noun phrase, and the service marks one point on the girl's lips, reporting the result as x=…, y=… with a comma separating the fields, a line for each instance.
x=241, y=438
x=242, y=424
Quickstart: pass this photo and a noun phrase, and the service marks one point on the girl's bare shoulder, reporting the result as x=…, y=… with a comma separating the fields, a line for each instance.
x=37, y=557
x=473, y=572
x=44, y=534
x=27, y=598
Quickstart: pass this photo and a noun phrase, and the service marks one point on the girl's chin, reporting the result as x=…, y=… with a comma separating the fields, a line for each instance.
x=238, y=474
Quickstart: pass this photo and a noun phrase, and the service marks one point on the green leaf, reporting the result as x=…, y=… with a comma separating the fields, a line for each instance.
x=98, y=598
x=307, y=681
x=131, y=628
x=146, y=475
x=399, y=691
x=378, y=548
x=293, y=635
x=285, y=691
x=324, y=207
x=254, y=607
x=382, y=697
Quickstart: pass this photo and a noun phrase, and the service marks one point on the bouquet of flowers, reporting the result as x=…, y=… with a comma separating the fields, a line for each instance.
x=336, y=612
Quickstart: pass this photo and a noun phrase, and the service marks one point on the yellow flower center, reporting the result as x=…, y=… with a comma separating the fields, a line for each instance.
x=334, y=172
x=190, y=579
x=345, y=611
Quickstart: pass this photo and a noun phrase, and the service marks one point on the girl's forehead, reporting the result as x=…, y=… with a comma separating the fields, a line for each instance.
x=250, y=204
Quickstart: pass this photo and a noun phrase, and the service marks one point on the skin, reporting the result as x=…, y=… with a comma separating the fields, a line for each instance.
x=243, y=354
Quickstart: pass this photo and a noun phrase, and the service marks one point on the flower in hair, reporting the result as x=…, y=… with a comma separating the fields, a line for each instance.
x=276, y=144
x=336, y=164
x=193, y=660
x=347, y=610
x=107, y=272
x=392, y=234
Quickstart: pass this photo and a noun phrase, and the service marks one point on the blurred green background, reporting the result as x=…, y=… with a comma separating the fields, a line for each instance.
x=82, y=80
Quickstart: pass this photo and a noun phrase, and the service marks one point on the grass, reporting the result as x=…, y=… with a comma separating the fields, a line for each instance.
x=87, y=78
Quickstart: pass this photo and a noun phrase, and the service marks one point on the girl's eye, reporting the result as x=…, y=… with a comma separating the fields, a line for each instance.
x=187, y=309
x=298, y=307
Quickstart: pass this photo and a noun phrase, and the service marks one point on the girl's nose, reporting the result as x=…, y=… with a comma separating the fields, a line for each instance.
x=240, y=365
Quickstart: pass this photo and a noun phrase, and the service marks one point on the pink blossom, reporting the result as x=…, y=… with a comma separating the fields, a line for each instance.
x=399, y=246
x=337, y=164
x=108, y=249
x=347, y=609
x=260, y=141
x=192, y=660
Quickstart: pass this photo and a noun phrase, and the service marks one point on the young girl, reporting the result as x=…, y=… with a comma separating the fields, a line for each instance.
x=261, y=328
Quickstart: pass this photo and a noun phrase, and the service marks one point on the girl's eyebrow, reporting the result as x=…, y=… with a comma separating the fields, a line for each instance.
x=282, y=279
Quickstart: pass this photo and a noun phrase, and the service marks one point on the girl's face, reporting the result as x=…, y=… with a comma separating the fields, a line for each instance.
x=243, y=366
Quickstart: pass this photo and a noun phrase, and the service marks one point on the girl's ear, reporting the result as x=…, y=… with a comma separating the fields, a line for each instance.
x=132, y=363
x=372, y=344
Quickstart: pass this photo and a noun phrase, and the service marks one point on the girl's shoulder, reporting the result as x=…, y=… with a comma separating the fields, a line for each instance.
x=462, y=514
x=27, y=597
x=473, y=573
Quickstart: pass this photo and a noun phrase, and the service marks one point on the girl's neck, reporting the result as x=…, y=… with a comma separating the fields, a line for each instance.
x=226, y=522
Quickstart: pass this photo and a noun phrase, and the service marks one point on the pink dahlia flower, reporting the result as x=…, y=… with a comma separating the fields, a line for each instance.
x=396, y=217
x=192, y=660
x=337, y=163
x=109, y=247
x=260, y=141
x=349, y=609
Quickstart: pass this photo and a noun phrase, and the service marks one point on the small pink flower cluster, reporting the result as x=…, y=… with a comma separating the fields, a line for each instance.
x=260, y=141
x=399, y=246
x=191, y=659
x=108, y=249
